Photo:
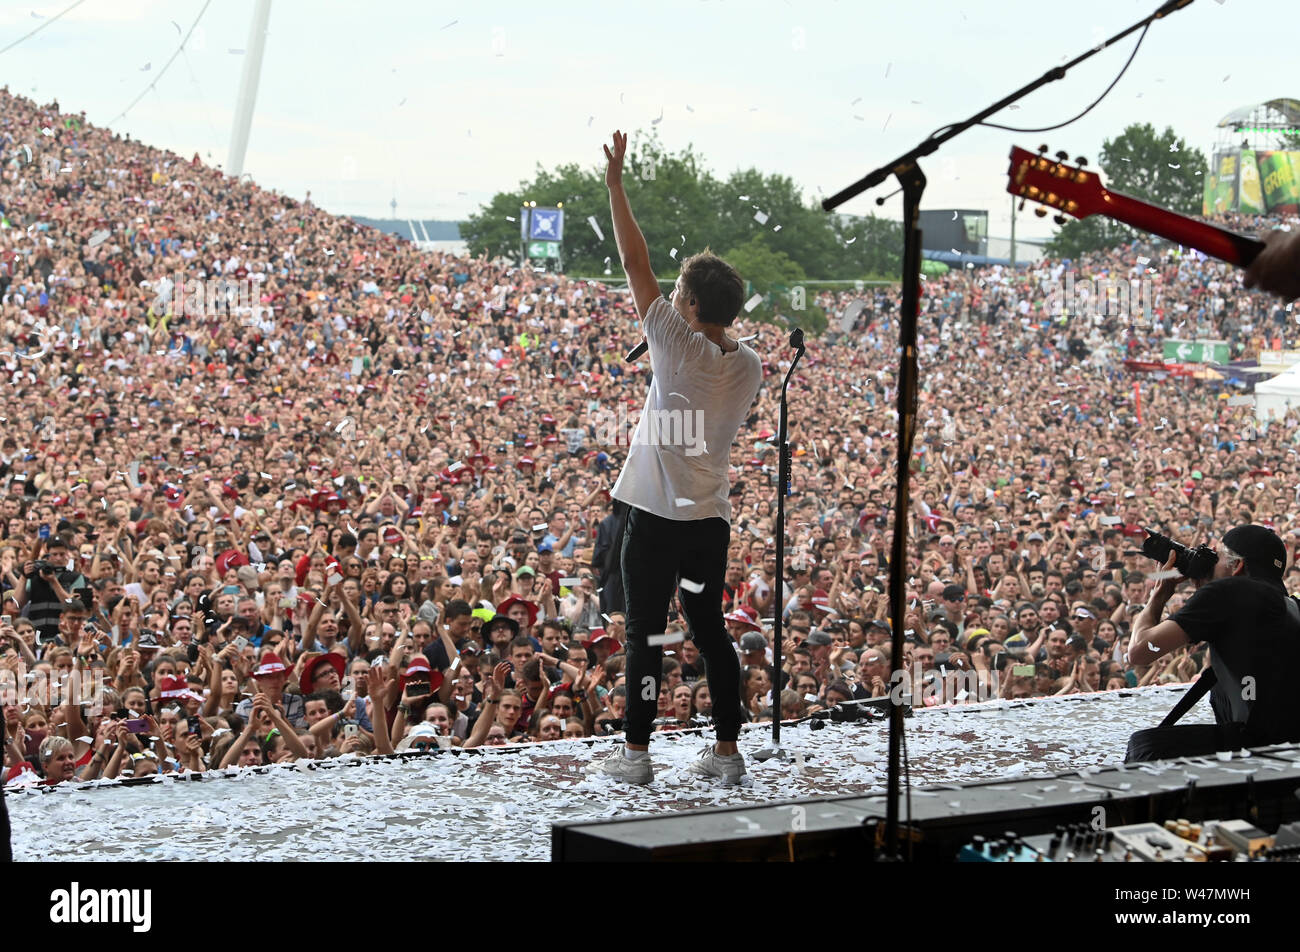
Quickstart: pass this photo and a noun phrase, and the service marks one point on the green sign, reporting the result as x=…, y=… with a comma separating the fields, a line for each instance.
x=1196, y=351
x=543, y=249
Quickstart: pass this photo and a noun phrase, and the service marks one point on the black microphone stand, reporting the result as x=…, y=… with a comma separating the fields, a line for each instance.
x=782, y=490
x=912, y=183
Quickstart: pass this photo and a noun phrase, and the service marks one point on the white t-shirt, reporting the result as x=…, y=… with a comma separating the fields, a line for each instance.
x=677, y=465
x=136, y=591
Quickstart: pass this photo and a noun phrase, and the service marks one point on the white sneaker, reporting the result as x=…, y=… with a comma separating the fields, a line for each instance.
x=621, y=768
x=729, y=769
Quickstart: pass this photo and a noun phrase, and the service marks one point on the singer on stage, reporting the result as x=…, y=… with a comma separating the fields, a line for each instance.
x=675, y=483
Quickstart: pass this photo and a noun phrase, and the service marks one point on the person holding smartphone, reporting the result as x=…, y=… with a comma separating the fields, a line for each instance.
x=677, y=485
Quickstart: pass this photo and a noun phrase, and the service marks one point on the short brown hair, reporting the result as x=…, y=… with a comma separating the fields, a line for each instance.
x=716, y=286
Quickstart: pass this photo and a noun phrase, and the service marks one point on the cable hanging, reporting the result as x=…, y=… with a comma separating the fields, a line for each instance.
x=41, y=27
x=166, y=65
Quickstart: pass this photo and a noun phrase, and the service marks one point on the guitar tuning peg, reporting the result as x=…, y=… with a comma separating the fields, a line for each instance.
x=1042, y=150
x=1063, y=156
x=1080, y=161
x=1040, y=212
x=1059, y=219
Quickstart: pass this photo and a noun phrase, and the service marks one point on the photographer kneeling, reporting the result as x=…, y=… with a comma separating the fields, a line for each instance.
x=1242, y=611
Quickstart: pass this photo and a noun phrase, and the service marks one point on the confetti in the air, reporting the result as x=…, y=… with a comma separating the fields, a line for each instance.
x=692, y=586
x=673, y=254
x=753, y=302
x=595, y=226
x=760, y=217
x=671, y=638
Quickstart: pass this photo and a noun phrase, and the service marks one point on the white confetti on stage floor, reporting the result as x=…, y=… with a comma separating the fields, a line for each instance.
x=499, y=805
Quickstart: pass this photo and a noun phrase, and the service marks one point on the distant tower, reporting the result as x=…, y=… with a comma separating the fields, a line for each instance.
x=248, y=88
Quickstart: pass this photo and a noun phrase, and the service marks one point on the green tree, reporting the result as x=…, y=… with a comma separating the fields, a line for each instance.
x=1160, y=168
x=681, y=205
x=1076, y=238
x=780, y=280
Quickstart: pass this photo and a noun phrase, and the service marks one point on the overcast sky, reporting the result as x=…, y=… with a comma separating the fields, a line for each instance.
x=441, y=104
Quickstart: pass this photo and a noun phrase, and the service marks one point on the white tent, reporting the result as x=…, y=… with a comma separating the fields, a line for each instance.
x=1274, y=397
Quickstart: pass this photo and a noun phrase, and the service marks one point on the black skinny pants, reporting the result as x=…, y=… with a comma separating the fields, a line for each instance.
x=656, y=553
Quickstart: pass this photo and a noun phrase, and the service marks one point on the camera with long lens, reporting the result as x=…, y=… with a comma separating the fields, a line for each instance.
x=1197, y=563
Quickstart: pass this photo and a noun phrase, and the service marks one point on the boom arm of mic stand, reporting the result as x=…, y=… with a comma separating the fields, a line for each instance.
x=932, y=142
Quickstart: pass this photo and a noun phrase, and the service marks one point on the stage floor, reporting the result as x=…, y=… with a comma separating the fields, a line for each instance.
x=500, y=805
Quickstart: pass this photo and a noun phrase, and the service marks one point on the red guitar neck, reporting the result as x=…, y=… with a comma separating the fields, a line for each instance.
x=1209, y=239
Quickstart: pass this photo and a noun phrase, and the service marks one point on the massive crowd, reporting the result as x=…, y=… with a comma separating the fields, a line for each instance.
x=355, y=498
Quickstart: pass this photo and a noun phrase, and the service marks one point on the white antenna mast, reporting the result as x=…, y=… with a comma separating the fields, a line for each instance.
x=248, y=88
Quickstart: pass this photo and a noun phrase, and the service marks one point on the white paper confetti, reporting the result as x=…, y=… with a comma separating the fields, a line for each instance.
x=753, y=302
x=595, y=226
x=692, y=586
x=671, y=638
x=760, y=217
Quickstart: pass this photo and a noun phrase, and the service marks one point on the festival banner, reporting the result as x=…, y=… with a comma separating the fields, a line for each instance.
x=1250, y=195
x=1281, y=186
x=1221, y=186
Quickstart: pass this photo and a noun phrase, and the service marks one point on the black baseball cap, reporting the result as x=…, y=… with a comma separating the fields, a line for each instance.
x=1264, y=552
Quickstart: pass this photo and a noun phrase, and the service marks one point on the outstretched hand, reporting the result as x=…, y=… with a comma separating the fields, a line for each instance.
x=614, y=171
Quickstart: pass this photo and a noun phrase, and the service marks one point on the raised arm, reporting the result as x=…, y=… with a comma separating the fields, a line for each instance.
x=632, y=249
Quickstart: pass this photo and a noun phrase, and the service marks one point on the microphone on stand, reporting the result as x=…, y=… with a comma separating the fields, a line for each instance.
x=796, y=339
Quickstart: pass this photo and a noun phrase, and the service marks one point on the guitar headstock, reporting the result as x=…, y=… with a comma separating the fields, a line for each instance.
x=1052, y=182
